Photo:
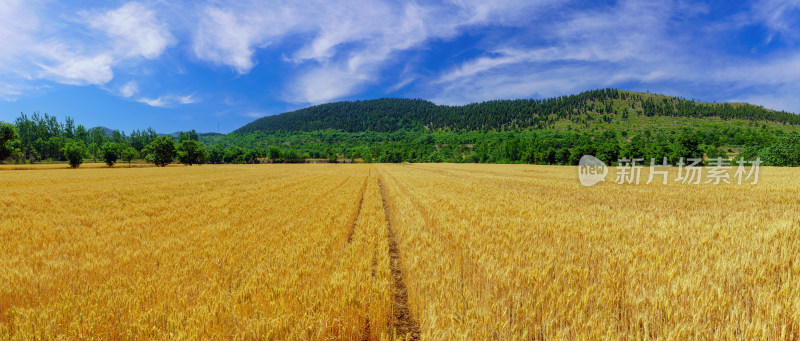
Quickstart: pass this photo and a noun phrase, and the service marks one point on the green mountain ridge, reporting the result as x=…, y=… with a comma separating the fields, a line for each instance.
x=598, y=109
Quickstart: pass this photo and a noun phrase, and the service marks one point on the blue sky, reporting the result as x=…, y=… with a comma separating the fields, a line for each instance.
x=180, y=65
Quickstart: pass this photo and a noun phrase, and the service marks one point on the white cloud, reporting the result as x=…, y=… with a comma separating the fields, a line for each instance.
x=74, y=69
x=9, y=92
x=133, y=30
x=40, y=45
x=153, y=102
x=351, y=42
x=631, y=41
x=224, y=38
x=17, y=34
x=780, y=16
x=129, y=89
x=167, y=101
x=19, y=25
x=189, y=99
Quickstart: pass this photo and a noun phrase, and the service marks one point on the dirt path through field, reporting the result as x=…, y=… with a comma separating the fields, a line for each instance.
x=401, y=320
x=358, y=211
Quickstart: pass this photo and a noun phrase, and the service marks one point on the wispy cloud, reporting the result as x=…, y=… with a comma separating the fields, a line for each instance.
x=154, y=102
x=780, y=16
x=351, y=42
x=632, y=42
x=133, y=30
x=82, y=51
x=69, y=68
x=129, y=89
x=189, y=99
x=167, y=101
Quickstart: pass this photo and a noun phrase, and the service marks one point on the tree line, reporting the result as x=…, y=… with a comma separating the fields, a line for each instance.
x=38, y=137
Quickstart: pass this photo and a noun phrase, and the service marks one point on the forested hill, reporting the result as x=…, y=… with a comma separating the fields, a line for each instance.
x=606, y=105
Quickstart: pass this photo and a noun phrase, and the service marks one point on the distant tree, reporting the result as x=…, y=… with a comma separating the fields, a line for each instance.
x=161, y=151
x=75, y=152
x=686, y=146
x=192, y=152
x=274, y=153
x=713, y=153
x=8, y=133
x=188, y=135
x=608, y=152
x=69, y=128
x=783, y=152
x=216, y=154
x=111, y=152
x=233, y=155
x=118, y=136
x=291, y=156
x=250, y=156
x=128, y=154
x=97, y=136
x=331, y=155
x=81, y=134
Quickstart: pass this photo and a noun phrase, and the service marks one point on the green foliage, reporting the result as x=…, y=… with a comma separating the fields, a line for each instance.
x=192, y=152
x=331, y=155
x=216, y=154
x=188, y=135
x=600, y=106
x=161, y=151
x=783, y=152
x=128, y=154
x=75, y=152
x=607, y=123
x=111, y=152
x=8, y=134
x=714, y=153
x=274, y=153
x=140, y=139
x=292, y=156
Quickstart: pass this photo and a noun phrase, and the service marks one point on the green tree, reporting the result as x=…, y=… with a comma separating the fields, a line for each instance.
x=783, y=152
x=161, y=151
x=686, y=146
x=8, y=133
x=331, y=155
x=75, y=152
x=188, y=135
x=128, y=154
x=274, y=153
x=192, y=152
x=291, y=156
x=111, y=152
x=216, y=154
x=97, y=136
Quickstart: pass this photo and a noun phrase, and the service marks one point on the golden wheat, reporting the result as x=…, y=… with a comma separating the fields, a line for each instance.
x=382, y=251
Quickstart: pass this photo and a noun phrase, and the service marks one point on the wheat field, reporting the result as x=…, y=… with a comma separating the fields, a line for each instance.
x=423, y=251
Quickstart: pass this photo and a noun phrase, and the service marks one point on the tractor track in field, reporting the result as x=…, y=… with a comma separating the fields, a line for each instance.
x=401, y=320
x=358, y=211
